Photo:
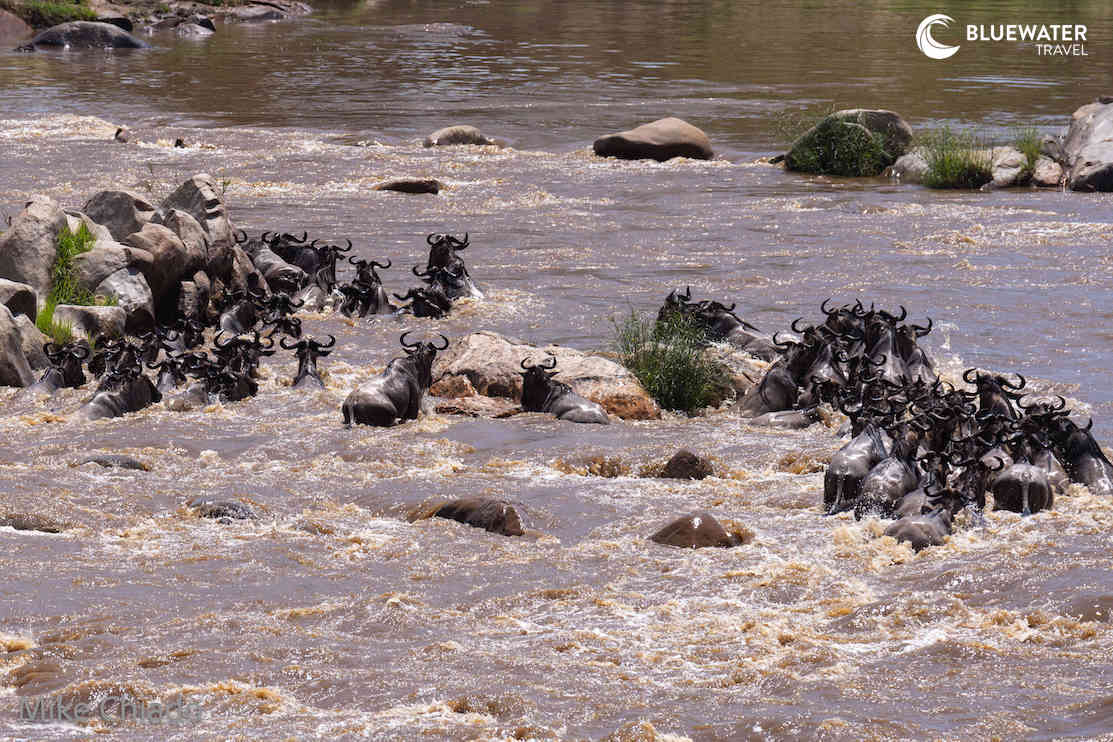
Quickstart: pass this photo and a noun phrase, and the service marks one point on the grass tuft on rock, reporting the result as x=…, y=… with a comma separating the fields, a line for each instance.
x=956, y=159
x=667, y=358
x=64, y=288
x=838, y=147
x=59, y=333
x=1027, y=141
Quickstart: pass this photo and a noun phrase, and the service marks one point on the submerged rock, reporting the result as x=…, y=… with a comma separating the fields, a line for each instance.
x=697, y=531
x=87, y=35
x=496, y=516
x=659, y=140
x=224, y=511
x=686, y=465
x=115, y=461
x=853, y=142
x=411, y=185
x=455, y=135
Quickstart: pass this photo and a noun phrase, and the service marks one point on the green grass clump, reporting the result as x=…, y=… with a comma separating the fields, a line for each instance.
x=667, y=358
x=46, y=13
x=64, y=288
x=839, y=147
x=59, y=333
x=956, y=160
x=1027, y=141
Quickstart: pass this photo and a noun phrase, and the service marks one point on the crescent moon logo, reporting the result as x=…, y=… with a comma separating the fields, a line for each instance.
x=929, y=46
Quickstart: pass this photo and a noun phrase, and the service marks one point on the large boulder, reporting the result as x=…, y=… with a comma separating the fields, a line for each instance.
x=87, y=35
x=496, y=516
x=12, y=28
x=491, y=364
x=459, y=134
x=121, y=212
x=199, y=198
x=192, y=235
x=14, y=369
x=659, y=140
x=852, y=142
x=1047, y=173
x=133, y=295
x=30, y=244
x=245, y=276
x=32, y=341
x=76, y=219
x=92, y=321
x=19, y=298
x=171, y=260
x=1087, y=150
x=698, y=531
x=107, y=257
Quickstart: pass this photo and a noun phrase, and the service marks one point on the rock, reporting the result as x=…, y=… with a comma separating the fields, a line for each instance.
x=659, y=140
x=411, y=185
x=171, y=260
x=192, y=235
x=92, y=321
x=203, y=21
x=453, y=135
x=686, y=465
x=76, y=218
x=192, y=31
x=244, y=273
x=910, y=168
x=1088, y=148
x=738, y=370
x=496, y=516
x=106, y=258
x=32, y=342
x=118, y=21
x=122, y=212
x=87, y=35
x=28, y=247
x=1047, y=173
x=224, y=511
x=1007, y=163
x=115, y=461
x=199, y=198
x=698, y=531
x=14, y=369
x=12, y=28
x=31, y=522
x=194, y=297
x=134, y=296
x=852, y=142
x=19, y=298
x=478, y=406
x=492, y=365
x=253, y=14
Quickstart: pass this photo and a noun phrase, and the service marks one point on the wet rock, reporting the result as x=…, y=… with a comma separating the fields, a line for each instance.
x=1088, y=148
x=244, y=274
x=253, y=14
x=492, y=365
x=192, y=31
x=192, y=235
x=411, y=185
x=193, y=298
x=122, y=212
x=203, y=21
x=92, y=321
x=31, y=522
x=454, y=135
x=686, y=465
x=224, y=511
x=28, y=247
x=19, y=298
x=133, y=296
x=106, y=258
x=87, y=35
x=200, y=198
x=697, y=531
x=32, y=342
x=1007, y=164
x=478, y=406
x=659, y=140
x=1047, y=173
x=496, y=516
x=171, y=260
x=910, y=168
x=115, y=461
x=12, y=28
x=14, y=369
x=853, y=142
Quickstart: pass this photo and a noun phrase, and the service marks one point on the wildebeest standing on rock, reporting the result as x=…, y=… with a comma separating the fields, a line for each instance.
x=396, y=393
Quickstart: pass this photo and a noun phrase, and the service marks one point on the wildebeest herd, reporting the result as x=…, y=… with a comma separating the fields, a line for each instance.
x=920, y=449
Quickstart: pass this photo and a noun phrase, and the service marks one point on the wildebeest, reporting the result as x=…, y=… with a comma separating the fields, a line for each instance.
x=426, y=301
x=542, y=393
x=1083, y=458
x=931, y=526
x=396, y=393
x=443, y=249
x=279, y=275
x=1022, y=488
x=842, y=484
x=65, y=368
x=365, y=295
x=120, y=392
x=307, y=352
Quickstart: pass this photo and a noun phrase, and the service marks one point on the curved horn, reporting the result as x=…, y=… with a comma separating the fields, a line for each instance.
x=785, y=344
x=344, y=249
x=236, y=236
x=217, y=343
x=921, y=331
x=403, y=342
x=80, y=352
x=524, y=366
x=1005, y=383
x=966, y=375
x=442, y=347
x=320, y=346
x=263, y=237
x=433, y=238
x=409, y=295
x=282, y=342
x=549, y=362
x=377, y=264
x=823, y=307
x=795, y=328
x=903, y=314
x=356, y=260
x=423, y=274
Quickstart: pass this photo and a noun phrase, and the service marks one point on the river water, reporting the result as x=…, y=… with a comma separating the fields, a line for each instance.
x=332, y=616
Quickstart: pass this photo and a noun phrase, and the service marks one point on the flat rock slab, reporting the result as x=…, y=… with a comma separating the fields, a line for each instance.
x=87, y=35
x=411, y=185
x=659, y=140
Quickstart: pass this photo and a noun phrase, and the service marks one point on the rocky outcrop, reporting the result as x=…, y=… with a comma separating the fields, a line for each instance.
x=14, y=369
x=171, y=259
x=698, y=531
x=686, y=465
x=853, y=142
x=491, y=365
x=92, y=321
x=659, y=140
x=32, y=342
x=199, y=198
x=86, y=35
x=19, y=298
x=455, y=135
x=496, y=516
x=192, y=235
x=28, y=247
x=133, y=295
x=1087, y=150
x=106, y=258
x=121, y=212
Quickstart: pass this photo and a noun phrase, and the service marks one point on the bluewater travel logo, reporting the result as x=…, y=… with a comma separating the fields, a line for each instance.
x=1049, y=40
x=928, y=45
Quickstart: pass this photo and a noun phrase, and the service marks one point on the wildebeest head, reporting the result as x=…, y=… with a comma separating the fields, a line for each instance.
x=421, y=355
x=428, y=301
x=67, y=359
x=537, y=381
x=996, y=394
x=366, y=273
x=307, y=351
x=442, y=252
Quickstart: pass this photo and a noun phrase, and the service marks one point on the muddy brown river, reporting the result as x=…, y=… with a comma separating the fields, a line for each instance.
x=333, y=617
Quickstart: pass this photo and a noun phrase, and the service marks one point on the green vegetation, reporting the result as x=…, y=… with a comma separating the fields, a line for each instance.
x=63, y=281
x=59, y=333
x=956, y=159
x=667, y=358
x=1027, y=140
x=41, y=14
x=838, y=147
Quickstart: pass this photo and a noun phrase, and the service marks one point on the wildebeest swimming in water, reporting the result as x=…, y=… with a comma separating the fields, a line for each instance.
x=396, y=393
x=443, y=249
x=307, y=352
x=65, y=368
x=365, y=295
x=541, y=393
